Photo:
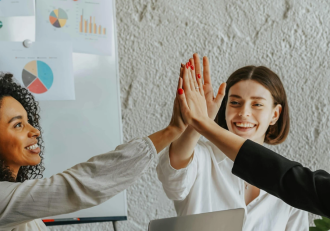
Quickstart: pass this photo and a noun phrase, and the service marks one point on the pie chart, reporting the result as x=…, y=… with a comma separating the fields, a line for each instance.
x=58, y=18
x=37, y=76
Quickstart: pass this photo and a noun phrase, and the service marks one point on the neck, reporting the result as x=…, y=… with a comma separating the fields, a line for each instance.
x=14, y=170
x=259, y=140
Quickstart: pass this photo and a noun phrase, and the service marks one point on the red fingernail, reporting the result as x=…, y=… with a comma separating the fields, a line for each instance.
x=199, y=76
x=188, y=65
x=180, y=91
x=192, y=67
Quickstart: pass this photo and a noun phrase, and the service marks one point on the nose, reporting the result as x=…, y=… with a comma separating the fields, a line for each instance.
x=34, y=132
x=244, y=112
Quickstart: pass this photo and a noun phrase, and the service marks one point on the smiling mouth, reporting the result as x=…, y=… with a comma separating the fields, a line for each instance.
x=244, y=126
x=32, y=147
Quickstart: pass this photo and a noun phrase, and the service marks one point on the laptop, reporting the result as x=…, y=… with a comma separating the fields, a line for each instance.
x=228, y=220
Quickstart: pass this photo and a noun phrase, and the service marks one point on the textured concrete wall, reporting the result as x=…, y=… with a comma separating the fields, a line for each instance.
x=290, y=37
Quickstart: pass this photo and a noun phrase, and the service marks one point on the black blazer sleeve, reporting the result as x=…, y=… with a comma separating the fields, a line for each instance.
x=288, y=180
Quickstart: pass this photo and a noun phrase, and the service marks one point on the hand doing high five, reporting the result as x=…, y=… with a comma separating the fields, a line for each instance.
x=213, y=103
x=192, y=101
x=206, y=89
x=176, y=121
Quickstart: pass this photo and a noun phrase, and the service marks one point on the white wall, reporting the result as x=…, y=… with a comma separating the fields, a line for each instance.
x=290, y=37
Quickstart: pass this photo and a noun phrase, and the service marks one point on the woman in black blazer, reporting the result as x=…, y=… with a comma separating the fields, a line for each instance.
x=288, y=180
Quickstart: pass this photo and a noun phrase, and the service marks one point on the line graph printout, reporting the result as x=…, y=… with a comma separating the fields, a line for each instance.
x=45, y=68
x=87, y=23
x=11, y=8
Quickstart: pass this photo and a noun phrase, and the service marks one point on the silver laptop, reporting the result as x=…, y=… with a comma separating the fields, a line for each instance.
x=228, y=220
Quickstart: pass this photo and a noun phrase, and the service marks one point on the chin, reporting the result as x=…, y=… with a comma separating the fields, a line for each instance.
x=35, y=161
x=243, y=135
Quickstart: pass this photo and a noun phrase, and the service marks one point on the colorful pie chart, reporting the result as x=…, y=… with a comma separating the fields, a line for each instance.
x=58, y=18
x=37, y=76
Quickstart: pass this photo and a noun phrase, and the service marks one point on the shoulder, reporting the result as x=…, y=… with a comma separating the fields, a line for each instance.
x=213, y=150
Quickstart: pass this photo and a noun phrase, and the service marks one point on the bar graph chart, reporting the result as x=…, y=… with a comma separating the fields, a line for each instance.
x=89, y=26
x=88, y=23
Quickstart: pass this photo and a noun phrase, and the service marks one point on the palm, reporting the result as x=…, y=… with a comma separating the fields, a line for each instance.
x=212, y=107
x=213, y=103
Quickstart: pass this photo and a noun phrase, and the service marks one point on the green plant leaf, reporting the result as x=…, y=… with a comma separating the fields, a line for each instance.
x=321, y=224
x=327, y=220
x=315, y=229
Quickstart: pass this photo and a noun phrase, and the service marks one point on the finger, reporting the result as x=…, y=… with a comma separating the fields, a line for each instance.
x=192, y=71
x=221, y=94
x=180, y=91
x=206, y=71
x=184, y=108
x=191, y=81
x=181, y=70
x=197, y=73
x=186, y=79
x=176, y=107
x=179, y=83
x=198, y=70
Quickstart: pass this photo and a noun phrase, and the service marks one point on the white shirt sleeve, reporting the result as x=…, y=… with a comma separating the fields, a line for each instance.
x=178, y=183
x=298, y=220
x=82, y=186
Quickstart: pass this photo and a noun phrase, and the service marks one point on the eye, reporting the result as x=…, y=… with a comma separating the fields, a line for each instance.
x=19, y=125
x=258, y=105
x=234, y=103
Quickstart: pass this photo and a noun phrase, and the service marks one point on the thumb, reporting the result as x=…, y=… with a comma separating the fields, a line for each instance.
x=221, y=94
x=184, y=108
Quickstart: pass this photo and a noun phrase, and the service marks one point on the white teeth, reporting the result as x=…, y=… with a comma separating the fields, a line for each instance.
x=245, y=125
x=32, y=147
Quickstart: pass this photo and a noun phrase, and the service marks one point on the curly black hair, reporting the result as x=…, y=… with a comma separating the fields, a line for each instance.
x=8, y=87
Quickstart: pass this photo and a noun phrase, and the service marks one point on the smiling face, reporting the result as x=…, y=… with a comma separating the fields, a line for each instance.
x=250, y=110
x=18, y=139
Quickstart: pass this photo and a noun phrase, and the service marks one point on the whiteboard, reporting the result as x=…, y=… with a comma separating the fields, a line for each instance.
x=74, y=131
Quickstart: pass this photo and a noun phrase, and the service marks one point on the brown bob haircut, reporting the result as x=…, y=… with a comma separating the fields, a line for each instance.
x=278, y=132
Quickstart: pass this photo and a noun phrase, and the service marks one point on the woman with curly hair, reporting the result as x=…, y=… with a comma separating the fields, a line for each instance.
x=25, y=197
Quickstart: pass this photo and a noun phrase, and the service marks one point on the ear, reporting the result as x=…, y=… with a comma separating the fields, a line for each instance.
x=276, y=114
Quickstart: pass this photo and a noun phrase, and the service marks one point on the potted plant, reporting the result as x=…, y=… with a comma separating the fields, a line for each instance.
x=321, y=224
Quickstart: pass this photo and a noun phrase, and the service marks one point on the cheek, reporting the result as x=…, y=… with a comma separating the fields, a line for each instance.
x=11, y=148
x=263, y=117
x=230, y=114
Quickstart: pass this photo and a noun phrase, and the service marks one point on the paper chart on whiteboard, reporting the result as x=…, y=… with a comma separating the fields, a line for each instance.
x=11, y=8
x=45, y=69
x=87, y=23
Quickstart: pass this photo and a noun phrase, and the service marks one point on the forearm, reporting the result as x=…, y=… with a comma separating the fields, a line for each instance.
x=182, y=149
x=84, y=185
x=165, y=137
x=227, y=142
x=288, y=180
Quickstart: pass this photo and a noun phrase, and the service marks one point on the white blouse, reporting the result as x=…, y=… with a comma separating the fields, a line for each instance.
x=207, y=185
x=82, y=186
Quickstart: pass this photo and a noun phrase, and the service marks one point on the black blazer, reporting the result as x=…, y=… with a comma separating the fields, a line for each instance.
x=288, y=180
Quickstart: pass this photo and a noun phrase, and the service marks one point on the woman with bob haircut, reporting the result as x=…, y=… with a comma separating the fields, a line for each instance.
x=288, y=180
x=25, y=197
x=197, y=176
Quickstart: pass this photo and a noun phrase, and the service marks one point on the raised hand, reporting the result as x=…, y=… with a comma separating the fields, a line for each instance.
x=191, y=97
x=195, y=105
x=173, y=131
x=177, y=122
x=213, y=103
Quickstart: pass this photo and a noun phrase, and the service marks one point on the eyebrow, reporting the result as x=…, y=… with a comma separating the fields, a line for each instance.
x=15, y=118
x=253, y=97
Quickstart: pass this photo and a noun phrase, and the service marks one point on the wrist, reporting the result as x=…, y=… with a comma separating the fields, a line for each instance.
x=201, y=124
x=172, y=132
x=191, y=133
